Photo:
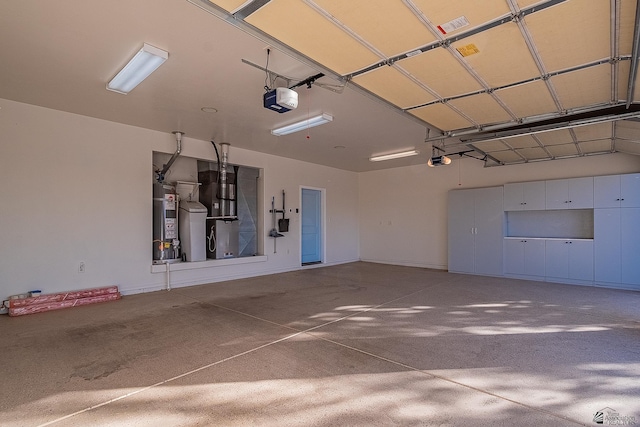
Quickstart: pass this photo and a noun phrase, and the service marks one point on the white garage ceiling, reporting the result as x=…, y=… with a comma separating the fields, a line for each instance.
x=515, y=81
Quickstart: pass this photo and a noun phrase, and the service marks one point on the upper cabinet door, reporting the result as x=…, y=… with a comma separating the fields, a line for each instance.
x=524, y=196
x=581, y=193
x=513, y=197
x=574, y=193
x=630, y=190
x=533, y=195
x=606, y=191
x=557, y=194
x=614, y=191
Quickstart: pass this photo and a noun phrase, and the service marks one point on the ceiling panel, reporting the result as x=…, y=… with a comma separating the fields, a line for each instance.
x=530, y=99
x=589, y=86
x=304, y=29
x=503, y=56
x=489, y=146
x=627, y=23
x=593, y=132
x=392, y=85
x=389, y=26
x=441, y=116
x=534, y=153
x=229, y=5
x=526, y=3
x=507, y=156
x=481, y=108
x=628, y=129
x=601, y=146
x=571, y=33
x=628, y=147
x=443, y=73
x=556, y=137
x=521, y=141
x=563, y=150
x=475, y=12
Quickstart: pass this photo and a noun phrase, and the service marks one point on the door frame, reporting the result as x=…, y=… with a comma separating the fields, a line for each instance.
x=323, y=226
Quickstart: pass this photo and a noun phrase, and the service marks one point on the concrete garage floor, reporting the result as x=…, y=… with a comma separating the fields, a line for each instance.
x=356, y=344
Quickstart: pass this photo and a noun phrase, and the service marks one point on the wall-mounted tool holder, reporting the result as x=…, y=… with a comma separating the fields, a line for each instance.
x=283, y=223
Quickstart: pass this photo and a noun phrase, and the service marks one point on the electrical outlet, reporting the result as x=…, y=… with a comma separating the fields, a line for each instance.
x=81, y=267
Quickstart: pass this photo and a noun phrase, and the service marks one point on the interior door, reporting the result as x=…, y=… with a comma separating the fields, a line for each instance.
x=311, y=235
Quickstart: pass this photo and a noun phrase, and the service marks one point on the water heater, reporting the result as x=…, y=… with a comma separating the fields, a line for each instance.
x=166, y=246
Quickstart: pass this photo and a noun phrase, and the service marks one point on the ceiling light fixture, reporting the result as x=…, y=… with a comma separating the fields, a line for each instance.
x=145, y=62
x=303, y=125
x=394, y=155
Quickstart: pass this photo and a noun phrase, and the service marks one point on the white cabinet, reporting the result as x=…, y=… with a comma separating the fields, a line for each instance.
x=475, y=231
x=617, y=246
x=630, y=245
x=615, y=191
x=569, y=259
x=607, y=247
x=524, y=257
x=574, y=193
x=461, y=231
x=524, y=196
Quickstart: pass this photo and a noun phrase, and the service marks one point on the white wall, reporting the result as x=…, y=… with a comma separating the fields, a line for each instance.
x=403, y=211
x=77, y=189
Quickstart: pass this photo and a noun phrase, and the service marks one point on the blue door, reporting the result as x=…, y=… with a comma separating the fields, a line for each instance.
x=311, y=226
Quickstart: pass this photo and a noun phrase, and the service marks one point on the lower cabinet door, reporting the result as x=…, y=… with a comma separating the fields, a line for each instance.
x=557, y=258
x=524, y=257
x=581, y=260
x=534, y=262
x=514, y=256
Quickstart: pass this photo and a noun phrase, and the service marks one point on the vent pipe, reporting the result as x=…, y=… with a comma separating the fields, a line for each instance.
x=160, y=174
x=226, y=191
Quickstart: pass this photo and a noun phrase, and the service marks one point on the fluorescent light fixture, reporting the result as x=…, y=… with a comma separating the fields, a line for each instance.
x=394, y=155
x=303, y=125
x=145, y=62
x=438, y=161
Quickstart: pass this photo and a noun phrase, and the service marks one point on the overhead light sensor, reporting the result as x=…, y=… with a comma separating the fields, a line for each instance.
x=303, y=125
x=145, y=62
x=394, y=155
